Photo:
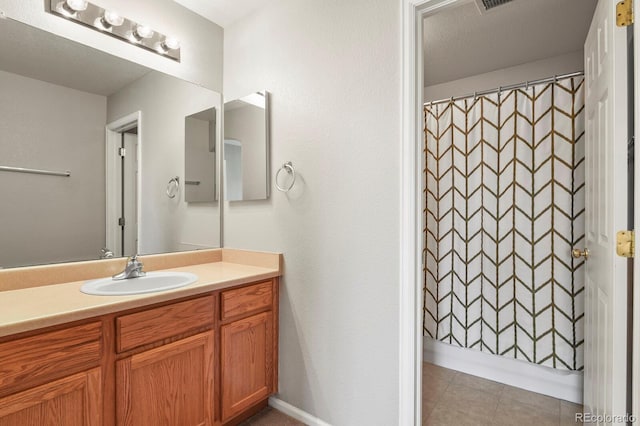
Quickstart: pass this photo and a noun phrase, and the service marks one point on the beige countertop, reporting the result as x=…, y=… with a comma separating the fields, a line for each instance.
x=26, y=309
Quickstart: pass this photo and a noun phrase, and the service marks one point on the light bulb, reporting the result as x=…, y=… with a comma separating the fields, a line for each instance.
x=113, y=18
x=139, y=33
x=77, y=5
x=142, y=31
x=65, y=9
x=171, y=43
x=108, y=20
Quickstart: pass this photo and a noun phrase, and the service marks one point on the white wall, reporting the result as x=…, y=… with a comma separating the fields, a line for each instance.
x=201, y=39
x=544, y=68
x=333, y=70
x=168, y=224
x=48, y=218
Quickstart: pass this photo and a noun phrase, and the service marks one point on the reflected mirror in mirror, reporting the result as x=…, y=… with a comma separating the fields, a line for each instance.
x=246, y=148
x=119, y=129
x=200, y=156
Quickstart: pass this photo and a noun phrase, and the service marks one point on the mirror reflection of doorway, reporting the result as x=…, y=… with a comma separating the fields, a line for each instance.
x=233, y=169
x=128, y=166
x=122, y=182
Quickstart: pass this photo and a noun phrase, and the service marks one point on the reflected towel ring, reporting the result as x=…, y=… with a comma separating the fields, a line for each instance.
x=172, y=190
x=288, y=166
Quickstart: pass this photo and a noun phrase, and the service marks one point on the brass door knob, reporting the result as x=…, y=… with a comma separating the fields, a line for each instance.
x=577, y=253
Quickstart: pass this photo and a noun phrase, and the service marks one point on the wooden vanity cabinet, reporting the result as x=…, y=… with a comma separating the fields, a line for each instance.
x=207, y=361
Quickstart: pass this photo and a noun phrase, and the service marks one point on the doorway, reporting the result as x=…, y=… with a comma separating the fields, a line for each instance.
x=233, y=169
x=122, y=177
x=414, y=14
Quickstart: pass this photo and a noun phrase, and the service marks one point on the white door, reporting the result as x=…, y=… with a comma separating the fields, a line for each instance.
x=606, y=212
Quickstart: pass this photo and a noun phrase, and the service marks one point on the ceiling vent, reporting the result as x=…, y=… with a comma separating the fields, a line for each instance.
x=487, y=5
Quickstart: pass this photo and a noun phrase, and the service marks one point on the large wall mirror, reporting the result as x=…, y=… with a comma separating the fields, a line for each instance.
x=104, y=142
x=246, y=147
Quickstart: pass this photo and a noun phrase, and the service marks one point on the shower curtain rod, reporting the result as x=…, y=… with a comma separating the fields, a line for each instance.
x=509, y=87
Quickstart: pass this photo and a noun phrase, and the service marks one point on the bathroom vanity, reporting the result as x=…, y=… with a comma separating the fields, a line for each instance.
x=205, y=354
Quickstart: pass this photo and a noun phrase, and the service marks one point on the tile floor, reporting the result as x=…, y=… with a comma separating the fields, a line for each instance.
x=451, y=398
x=271, y=417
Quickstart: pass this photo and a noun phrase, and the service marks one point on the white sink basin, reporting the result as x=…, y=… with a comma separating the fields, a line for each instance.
x=150, y=283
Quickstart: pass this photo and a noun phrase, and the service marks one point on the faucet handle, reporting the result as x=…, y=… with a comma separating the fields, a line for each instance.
x=105, y=253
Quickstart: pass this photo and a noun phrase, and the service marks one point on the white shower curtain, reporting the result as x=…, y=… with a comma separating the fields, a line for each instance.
x=504, y=205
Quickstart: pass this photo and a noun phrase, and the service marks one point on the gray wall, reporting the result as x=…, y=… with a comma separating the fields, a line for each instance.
x=333, y=70
x=47, y=218
x=167, y=224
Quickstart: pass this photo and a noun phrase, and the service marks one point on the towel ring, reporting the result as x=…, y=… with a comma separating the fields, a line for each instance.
x=290, y=170
x=173, y=187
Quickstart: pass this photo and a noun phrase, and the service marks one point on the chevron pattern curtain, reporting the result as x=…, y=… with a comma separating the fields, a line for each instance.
x=504, y=206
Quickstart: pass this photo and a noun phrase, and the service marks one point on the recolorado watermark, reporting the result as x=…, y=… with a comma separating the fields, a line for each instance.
x=606, y=418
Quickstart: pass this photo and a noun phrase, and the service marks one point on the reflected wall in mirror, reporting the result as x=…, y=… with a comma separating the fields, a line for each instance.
x=200, y=156
x=246, y=148
x=65, y=106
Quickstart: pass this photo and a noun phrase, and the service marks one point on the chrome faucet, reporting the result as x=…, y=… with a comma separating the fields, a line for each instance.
x=132, y=270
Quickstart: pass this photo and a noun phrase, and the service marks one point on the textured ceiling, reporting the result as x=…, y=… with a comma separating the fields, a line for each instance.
x=461, y=42
x=222, y=12
x=38, y=54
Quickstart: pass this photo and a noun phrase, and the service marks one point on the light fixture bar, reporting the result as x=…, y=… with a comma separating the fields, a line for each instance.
x=111, y=23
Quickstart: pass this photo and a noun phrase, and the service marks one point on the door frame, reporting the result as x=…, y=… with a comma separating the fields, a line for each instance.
x=411, y=245
x=112, y=141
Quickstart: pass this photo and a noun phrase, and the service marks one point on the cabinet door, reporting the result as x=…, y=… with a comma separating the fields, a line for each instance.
x=169, y=385
x=71, y=401
x=247, y=363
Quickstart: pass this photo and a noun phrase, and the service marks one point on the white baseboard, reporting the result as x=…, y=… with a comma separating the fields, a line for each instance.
x=296, y=413
x=561, y=384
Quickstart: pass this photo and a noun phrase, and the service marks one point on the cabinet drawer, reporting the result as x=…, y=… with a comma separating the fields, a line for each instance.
x=246, y=300
x=156, y=324
x=31, y=361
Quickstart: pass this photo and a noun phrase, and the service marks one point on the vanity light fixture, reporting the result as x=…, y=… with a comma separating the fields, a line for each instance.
x=111, y=23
